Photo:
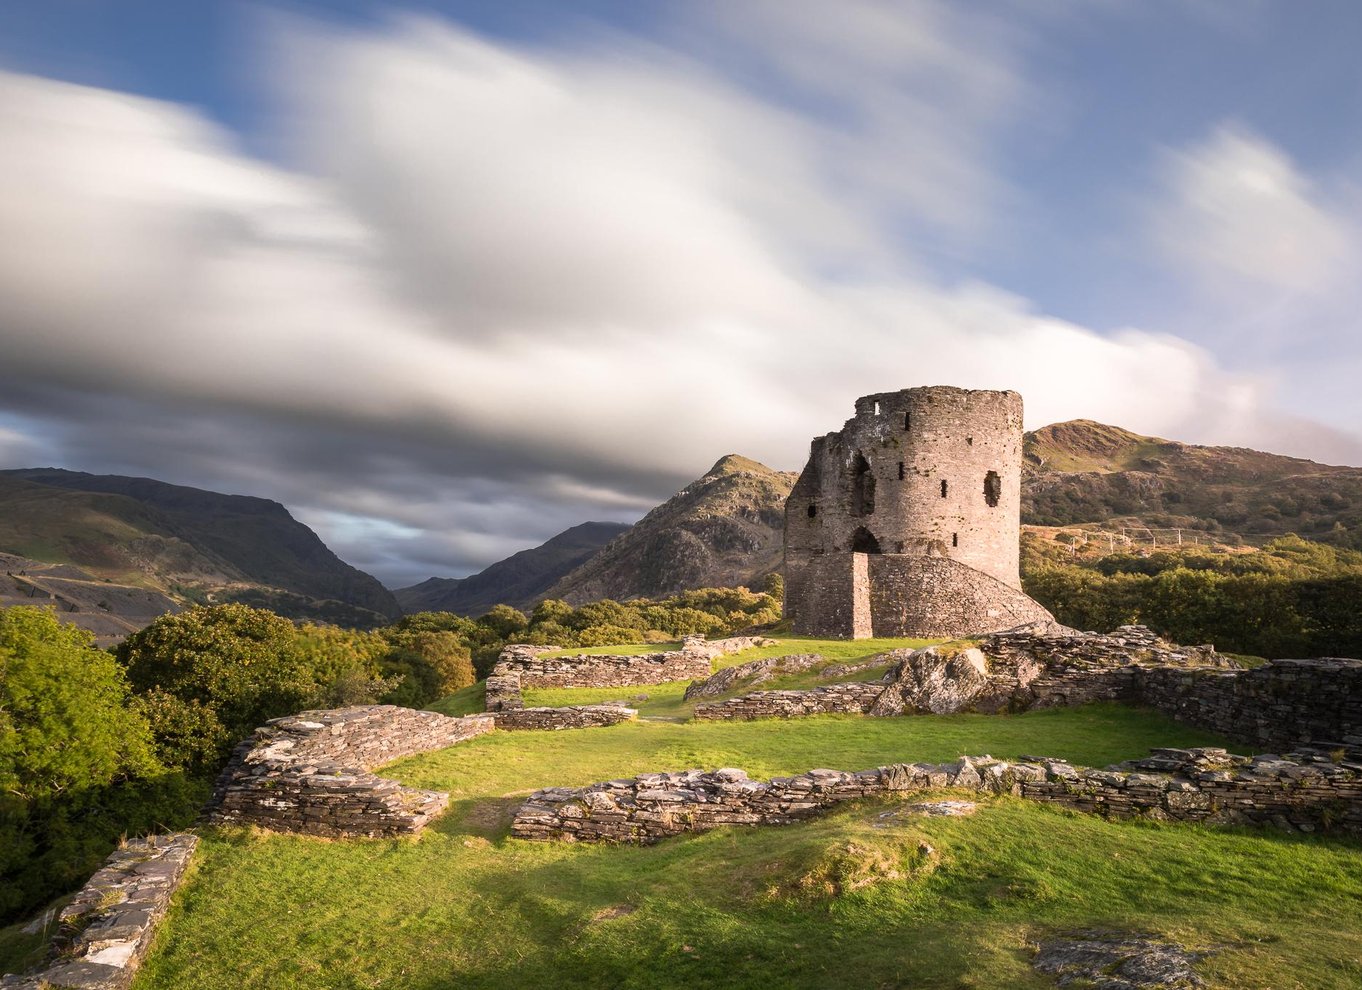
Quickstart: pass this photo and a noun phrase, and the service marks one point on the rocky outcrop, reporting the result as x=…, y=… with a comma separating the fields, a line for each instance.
x=754, y=672
x=1305, y=791
x=310, y=772
x=570, y=717
x=107, y=929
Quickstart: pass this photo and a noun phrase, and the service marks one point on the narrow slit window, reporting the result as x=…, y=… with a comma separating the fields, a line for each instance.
x=813, y=511
x=943, y=489
x=877, y=409
x=900, y=470
x=955, y=539
x=993, y=488
x=907, y=420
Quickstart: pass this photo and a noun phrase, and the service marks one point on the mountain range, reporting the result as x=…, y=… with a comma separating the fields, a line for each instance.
x=121, y=550
x=182, y=544
x=520, y=580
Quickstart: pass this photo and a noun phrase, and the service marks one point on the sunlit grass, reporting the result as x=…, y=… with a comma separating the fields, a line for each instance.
x=465, y=906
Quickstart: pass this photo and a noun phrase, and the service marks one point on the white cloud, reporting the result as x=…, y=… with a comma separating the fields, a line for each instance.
x=507, y=291
x=1240, y=214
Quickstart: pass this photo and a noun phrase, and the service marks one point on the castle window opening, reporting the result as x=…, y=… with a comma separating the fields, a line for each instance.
x=862, y=487
x=900, y=470
x=813, y=511
x=877, y=409
x=863, y=541
x=969, y=441
x=993, y=488
x=955, y=539
x=907, y=420
x=943, y=489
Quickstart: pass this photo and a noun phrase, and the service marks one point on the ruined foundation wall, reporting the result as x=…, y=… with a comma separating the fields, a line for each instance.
x=107, y=929
x=569, y=717
x=310, y=772
x=520, y=666
x=1282, y=703
x=1308, y=791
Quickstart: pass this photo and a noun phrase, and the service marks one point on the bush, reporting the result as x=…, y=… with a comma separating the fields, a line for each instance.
x=77, y=763
x=247, y=665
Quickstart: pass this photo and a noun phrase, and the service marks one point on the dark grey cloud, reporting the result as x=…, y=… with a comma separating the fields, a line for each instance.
x=501, y=292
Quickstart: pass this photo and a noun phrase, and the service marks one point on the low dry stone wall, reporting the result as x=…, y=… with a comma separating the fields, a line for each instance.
x=1279, y=704
x=1307, y=791
x=520, y=666
x=571, y=717
x=309, y=772
x=1008, y=672
x=107, y=929
x=832, y=699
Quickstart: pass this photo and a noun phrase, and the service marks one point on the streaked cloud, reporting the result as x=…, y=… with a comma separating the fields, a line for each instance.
x=490, y=291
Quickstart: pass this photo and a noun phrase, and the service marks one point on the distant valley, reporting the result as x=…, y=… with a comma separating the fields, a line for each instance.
x=112, y=552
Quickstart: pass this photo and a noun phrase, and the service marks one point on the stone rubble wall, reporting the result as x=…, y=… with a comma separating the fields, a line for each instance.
x=309, y=772
x=1008, y=672
x=831, y=699
x=520, y=666
x=570, y=717
x=1307, y=791
x=1280, y=704
x=107, y=929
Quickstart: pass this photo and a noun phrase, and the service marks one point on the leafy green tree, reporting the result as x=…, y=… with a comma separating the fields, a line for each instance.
x=431, y=664
x=64, y=721
x=77, y=766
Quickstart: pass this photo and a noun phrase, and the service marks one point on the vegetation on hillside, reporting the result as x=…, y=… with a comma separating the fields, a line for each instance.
x=1085, y=472
x=1294, y=597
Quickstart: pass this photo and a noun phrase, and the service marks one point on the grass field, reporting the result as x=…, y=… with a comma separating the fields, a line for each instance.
x=834, y=902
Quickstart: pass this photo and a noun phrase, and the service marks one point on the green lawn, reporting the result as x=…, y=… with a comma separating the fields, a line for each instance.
x=837, y=901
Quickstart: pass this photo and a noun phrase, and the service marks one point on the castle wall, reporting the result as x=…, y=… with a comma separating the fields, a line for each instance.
x=310, y=772
x=853, y=479
x=915, y=477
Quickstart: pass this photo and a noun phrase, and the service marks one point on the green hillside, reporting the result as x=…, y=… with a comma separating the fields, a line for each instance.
x=189, y=544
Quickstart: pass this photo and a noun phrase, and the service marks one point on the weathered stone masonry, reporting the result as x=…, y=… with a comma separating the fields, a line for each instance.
x=906, y=522
x=310, y=772
x=520, y=666
x=1307, y=791
x=1008, y=672
x=106, y=930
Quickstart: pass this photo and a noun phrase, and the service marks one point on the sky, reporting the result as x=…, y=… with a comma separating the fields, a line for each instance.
x=447, y=278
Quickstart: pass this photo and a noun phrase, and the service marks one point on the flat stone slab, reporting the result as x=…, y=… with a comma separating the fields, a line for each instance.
x=1117, y=961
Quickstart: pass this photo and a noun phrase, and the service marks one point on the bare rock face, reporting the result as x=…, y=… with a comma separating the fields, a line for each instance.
x=932, y=682
x=1117, y=961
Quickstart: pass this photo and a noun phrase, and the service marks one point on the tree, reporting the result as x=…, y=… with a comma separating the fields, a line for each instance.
x=247, y=665
x=64, y=720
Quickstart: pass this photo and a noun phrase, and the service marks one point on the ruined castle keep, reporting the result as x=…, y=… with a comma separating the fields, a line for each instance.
x=907, y=521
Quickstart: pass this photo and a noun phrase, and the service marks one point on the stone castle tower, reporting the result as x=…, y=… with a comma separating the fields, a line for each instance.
x=907, y=522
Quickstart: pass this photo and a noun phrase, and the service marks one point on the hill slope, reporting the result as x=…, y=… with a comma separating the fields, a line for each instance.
x=519, y=580
x=1082, y=471
x=723, y=530
x=188, y=542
